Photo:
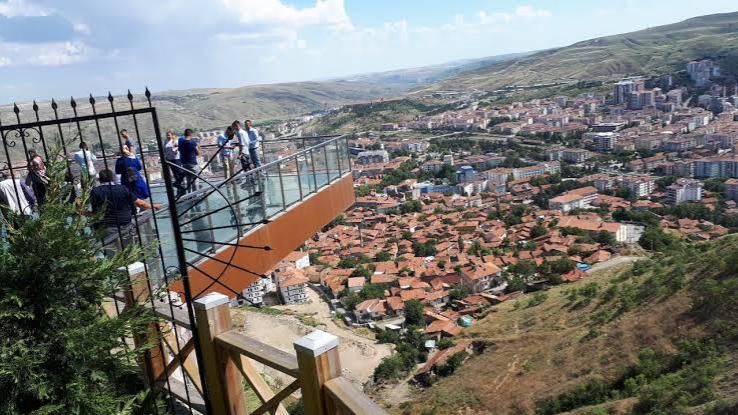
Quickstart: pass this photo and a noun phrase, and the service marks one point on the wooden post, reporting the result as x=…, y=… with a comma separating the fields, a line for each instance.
x=223, y=379
x=136, y=293
x=317, y=358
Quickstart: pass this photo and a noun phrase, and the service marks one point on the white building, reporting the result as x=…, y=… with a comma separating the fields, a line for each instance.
x=684, y=190
x=581, y=198
x=292, y=286
x=602, y=142
x=639, y=186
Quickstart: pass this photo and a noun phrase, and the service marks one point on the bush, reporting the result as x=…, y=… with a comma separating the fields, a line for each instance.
x=538, y=298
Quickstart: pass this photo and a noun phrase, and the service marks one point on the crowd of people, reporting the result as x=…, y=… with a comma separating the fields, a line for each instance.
x=118, y=194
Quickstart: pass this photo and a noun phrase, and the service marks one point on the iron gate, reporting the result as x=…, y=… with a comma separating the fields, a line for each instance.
x=33, y=128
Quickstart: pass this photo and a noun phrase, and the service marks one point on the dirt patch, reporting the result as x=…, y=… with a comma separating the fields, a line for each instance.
x=359, y=355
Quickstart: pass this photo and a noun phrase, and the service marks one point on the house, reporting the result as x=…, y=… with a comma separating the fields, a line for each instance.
x=297, y=260
x=356, y=284
x=292, y=286
x=477, y=278
x=372, y=309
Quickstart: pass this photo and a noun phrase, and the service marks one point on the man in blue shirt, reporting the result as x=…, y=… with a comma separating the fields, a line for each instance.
x=254, y=140
x=128, y=142
x=118, y=205
x=226, y=152
x=189, y=149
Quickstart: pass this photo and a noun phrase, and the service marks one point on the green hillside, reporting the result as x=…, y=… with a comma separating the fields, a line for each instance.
x=656, y=50
x=655, y=337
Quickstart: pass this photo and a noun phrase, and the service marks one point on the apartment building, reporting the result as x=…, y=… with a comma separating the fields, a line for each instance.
x=640, y=186
x=731, y=189
x=581, y=198
x=684, y=190
x=602, y=142
x=292, y=286
x=719, y=167
x=372, y=157
x=255, y=292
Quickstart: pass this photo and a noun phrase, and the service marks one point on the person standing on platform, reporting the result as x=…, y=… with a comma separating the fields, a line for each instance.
x=254, y=144
x=189, y=150
x=226, y=152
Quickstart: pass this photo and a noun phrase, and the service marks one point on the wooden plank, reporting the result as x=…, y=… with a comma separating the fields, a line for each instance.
x=224, y=381
x=177, y=389
x=261, y=352
x=260, y=387
x=350, y=399
x=181, y=357
x=276, y=399
x=190, y=363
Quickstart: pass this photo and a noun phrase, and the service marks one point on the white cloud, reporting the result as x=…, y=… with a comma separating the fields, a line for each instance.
x=43, y=54
x=530, y=11
x=81, y=28
x=328, y=13
x=22, y=8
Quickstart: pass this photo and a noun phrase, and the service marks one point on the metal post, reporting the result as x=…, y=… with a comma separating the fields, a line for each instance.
x=299, y=180
x=281, y=185
x=181, y=259
x=327, y=170
x=315, y=175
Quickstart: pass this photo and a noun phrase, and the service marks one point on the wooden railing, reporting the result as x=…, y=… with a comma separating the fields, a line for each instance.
x=315, y=367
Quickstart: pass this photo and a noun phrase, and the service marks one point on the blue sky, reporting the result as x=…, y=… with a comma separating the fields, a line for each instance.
x=57, y=48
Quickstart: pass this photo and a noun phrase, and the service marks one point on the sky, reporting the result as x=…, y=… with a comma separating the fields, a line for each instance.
x=58, y=48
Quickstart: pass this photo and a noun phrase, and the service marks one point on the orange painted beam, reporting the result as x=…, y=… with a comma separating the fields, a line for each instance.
x=284, y=234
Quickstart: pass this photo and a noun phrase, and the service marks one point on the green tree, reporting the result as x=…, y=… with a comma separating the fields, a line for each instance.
x=383, y=256
x=414, y=314
x=538, y=230
x=411, y=206
x=458, y=292
x=60, y=353
x=525, y=267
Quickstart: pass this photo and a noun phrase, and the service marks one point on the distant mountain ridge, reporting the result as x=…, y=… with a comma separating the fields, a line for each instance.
x=656, y=50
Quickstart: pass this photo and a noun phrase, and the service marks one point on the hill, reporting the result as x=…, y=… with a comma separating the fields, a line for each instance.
x=657, y=337
x=657, y=50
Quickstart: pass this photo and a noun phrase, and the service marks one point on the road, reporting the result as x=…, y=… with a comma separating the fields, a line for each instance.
x=613, y=262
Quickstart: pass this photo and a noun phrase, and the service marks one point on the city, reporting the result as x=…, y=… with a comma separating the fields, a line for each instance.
x=479, y=236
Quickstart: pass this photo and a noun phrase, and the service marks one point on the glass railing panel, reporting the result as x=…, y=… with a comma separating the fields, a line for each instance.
x=273, y=196
x=305, y=173
x=321, y=168
x=291, y=181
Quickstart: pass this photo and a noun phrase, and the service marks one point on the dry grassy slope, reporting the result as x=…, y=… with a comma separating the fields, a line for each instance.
x=656, y=50
x=543, y=351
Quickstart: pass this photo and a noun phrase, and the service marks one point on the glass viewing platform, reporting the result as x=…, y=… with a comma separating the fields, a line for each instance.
x=222, y=210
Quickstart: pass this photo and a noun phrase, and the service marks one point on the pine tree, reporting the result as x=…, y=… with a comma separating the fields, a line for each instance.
x=59, y=352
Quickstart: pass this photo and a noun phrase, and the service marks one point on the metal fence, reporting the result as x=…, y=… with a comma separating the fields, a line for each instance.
x=189, y=229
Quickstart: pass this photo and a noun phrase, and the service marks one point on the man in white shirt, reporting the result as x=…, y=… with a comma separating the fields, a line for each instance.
x=254, y=143
x=241, y=139
x=16, y=195
x=85, y=158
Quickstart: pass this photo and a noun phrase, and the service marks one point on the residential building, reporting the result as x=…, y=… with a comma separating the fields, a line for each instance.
x=684, y=190
x=575, y=155
x=292, y=286
x=369, y=310
x=581, y=198
x=478, y=278
x=718, y=167
x=618, y=230
x=640, y=186
x=731, y=189
x=602, y=142
x=254, y=293
x=372, y=157
x=466, y=174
